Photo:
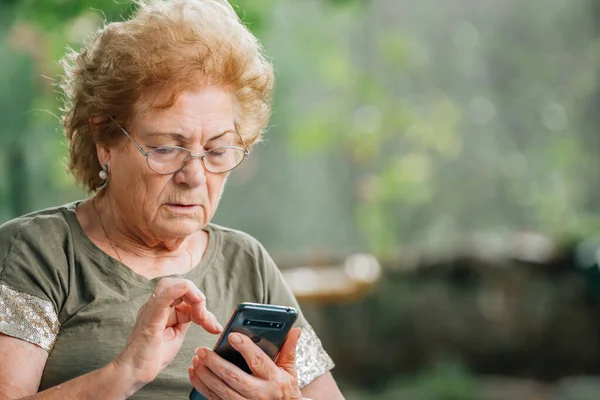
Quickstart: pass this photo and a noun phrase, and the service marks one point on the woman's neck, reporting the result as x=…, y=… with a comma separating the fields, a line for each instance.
x=143, y=253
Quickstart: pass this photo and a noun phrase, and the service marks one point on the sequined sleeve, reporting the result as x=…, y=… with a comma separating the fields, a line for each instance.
x=312, y=360
x=28, y=318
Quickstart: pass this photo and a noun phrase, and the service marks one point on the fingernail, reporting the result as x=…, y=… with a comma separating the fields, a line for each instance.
x=217, y=324
x=199, y=293
x=235, y=338
x=201, y=353
x=195, y=361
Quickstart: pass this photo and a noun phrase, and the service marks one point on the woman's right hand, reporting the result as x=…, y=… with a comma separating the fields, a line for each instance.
x=160, y=328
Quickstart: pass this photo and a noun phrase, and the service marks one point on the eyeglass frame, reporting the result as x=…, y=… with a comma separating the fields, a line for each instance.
x=190, y=156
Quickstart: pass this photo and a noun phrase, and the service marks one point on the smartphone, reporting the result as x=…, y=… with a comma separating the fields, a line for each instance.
x=266, y=324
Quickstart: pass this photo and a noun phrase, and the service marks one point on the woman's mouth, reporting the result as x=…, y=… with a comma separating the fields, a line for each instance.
x=183, y=208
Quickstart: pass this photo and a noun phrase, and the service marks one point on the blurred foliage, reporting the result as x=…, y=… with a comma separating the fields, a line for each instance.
x=445, y=381
x=404, y=122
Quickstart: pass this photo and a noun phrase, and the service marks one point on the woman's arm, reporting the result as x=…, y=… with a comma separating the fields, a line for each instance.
x=323, y=388
x=156, y=338
x=22, y=364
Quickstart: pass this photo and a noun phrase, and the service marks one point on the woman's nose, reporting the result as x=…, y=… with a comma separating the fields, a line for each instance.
x=193, y=173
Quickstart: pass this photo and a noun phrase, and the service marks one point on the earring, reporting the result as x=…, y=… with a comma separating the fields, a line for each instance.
x=104, y=173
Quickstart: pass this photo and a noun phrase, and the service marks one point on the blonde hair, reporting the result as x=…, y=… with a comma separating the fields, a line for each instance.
x=173, y=45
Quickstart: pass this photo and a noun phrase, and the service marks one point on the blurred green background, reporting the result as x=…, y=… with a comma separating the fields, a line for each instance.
x=455, y=140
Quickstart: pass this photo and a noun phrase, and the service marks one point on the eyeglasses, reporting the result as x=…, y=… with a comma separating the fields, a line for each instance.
x=167, y=160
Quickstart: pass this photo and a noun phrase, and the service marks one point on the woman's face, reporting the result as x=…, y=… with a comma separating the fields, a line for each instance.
x=176, y=205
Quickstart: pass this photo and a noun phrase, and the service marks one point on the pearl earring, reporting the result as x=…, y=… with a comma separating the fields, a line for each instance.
x=104, y=173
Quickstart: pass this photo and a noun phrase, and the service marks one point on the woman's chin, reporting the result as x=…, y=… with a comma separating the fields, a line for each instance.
x=179, y=226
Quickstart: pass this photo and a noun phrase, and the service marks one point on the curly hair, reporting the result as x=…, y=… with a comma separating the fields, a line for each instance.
x=173, y=45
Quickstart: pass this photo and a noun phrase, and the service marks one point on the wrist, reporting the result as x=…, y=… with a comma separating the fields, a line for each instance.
x=124, y=375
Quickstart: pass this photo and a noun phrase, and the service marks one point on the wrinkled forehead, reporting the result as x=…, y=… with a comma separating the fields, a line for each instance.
x=201, y=111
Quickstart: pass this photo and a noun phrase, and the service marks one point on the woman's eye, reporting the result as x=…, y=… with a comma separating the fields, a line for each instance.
x=217, y=152
x=164, y=151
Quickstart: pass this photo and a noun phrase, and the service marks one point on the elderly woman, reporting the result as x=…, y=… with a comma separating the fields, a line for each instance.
x=109, y=298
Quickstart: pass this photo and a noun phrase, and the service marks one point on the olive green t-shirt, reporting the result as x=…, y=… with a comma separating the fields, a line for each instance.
x=59, y=291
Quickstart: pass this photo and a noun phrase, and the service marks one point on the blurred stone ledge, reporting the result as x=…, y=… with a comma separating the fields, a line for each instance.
x=571, y=388
x=345, y=281
x=525, y=308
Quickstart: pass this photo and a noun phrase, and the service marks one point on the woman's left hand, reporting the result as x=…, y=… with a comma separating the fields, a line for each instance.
x=218, y=379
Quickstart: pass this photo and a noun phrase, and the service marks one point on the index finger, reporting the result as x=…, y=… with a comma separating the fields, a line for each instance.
x=172, y=291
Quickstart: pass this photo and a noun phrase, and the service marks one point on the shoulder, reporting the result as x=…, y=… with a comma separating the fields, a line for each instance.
x=50, y=224
x=236, y=240
x=40, y=237
x=54, y=217
x=243, y=253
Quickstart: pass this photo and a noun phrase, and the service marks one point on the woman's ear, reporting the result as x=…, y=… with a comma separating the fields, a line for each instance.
x=102, y=152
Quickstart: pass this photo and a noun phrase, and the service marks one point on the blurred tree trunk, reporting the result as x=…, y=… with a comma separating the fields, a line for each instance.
x=16, y=101
x=18, y=182
x=591, y=139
